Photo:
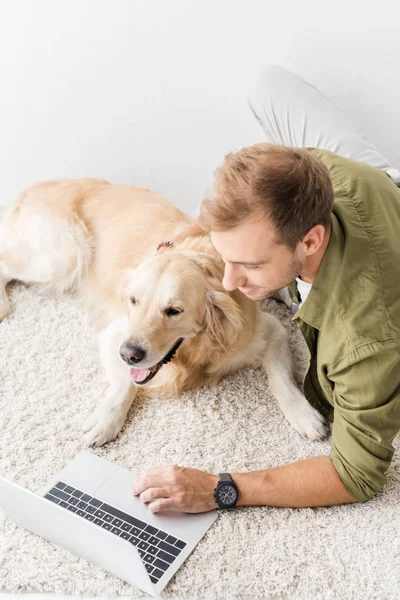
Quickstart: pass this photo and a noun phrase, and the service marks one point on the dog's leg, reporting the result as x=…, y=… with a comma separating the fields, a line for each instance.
x=5, y=306
x=109, y=417
x=278, y=364
x=37, y=246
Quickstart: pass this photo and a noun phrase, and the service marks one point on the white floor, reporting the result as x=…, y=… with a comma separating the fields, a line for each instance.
x=49, y=597
x=56, y=597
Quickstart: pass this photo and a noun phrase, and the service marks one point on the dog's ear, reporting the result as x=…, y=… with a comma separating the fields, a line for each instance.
x=126, y=281
x=223, y=318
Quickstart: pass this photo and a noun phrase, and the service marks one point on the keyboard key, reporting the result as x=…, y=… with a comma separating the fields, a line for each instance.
x=90, y=509
x=63, y=504
x=161, y=564
x=151, y=529
x=82, y=505
x=80, y=512
x=171, y=539
x=144, y=536
x=95, y=502
x=126, y=527
x=161, y=534
x=89, y=517
x=153, y=579
x=168, y=548
x=149, y=558
x=123, y=516
x=99, y=522
x=164, y=556
x=52, y=498
x=77, y=494
x=117, y=522
x=152, y=550
x=108, y=518
x=157, y=573
x=149, y=568
x=106, y=526
x=142, y=553
x=115, y=530
x=153, y=540
x=125, y=535
x=143, y=545
x=60, y=485
x=135, y=531
x=73, y=500
x=86, y=498
x=100, y=514
x=68, y=489
x=72, y=508
x=180, y=544
x=59, y=494
x=134, y=540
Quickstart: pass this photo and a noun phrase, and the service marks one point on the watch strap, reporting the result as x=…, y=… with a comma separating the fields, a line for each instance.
x=225, y=477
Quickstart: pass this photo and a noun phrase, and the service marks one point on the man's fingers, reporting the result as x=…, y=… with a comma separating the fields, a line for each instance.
x=146, y=481
x=153, y=493
x=154, y=477
x=162, y=504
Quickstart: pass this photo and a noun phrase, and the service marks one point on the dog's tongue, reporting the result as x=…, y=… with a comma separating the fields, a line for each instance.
x=139, y=374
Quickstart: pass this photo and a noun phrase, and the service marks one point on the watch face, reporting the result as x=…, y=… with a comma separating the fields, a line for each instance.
x=227, y=494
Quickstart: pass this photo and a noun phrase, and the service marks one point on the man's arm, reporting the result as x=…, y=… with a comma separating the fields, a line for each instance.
x=366, y=419
x=306, y=483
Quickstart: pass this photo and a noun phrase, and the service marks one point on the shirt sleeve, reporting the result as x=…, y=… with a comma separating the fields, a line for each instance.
x=366, y=398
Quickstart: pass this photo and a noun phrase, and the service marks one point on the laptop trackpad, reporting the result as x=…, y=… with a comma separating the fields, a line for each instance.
x=117, y=491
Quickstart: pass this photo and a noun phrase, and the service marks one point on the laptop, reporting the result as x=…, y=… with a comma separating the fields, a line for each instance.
x=88, y=508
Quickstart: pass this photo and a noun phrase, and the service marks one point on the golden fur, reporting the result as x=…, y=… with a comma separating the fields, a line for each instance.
x=98, y=241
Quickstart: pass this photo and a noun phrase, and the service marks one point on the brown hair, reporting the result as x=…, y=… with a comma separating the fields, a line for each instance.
x=289, y=186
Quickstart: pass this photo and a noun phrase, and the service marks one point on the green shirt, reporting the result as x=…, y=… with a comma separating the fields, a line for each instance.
x=351, y=323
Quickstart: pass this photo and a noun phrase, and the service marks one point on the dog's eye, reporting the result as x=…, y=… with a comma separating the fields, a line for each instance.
x=133, y=300
x=172, y=312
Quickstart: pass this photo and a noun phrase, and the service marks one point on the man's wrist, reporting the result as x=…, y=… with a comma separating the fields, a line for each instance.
x=249, y=486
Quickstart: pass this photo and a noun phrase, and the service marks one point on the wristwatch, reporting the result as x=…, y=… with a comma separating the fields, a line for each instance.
x=226, y=493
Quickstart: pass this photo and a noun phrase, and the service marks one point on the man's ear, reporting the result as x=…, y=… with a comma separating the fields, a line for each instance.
x=126, y=283
x=223, y=318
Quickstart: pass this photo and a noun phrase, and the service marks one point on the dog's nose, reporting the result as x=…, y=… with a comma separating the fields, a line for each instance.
x=131, y=354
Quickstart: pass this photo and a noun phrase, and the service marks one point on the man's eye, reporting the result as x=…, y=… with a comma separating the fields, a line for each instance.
x=252, y=267
x=133, y=300
x=172, y=312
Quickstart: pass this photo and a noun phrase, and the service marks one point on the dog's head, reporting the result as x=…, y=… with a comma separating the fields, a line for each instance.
x=175, y=299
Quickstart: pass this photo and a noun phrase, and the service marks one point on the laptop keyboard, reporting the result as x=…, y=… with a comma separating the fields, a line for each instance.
x=157, y=548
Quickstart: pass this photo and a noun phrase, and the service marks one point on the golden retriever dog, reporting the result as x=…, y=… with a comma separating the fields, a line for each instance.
x=165, y=323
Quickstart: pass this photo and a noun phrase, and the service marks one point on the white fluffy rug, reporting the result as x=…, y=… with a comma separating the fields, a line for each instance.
x=49, y=383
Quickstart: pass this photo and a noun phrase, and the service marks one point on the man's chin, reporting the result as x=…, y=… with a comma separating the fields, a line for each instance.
x=257, y=296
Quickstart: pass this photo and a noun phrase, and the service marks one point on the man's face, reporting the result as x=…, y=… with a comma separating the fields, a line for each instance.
x=254, y=262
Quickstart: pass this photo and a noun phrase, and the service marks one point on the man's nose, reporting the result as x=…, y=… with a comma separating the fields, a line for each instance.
x=232, y=278
x=131, y=354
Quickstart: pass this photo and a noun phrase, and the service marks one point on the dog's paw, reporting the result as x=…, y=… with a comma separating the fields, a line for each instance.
x=102, y=427
x=307, y=421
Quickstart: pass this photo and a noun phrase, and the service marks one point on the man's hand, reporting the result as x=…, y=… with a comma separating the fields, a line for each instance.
x=176, y=488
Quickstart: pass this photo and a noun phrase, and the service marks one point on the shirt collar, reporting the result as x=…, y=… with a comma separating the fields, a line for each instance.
x=312, y=311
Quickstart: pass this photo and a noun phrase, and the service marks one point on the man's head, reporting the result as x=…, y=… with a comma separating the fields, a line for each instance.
x=269, y=217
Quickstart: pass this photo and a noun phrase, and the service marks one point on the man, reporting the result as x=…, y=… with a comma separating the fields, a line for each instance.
x=287, y=213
